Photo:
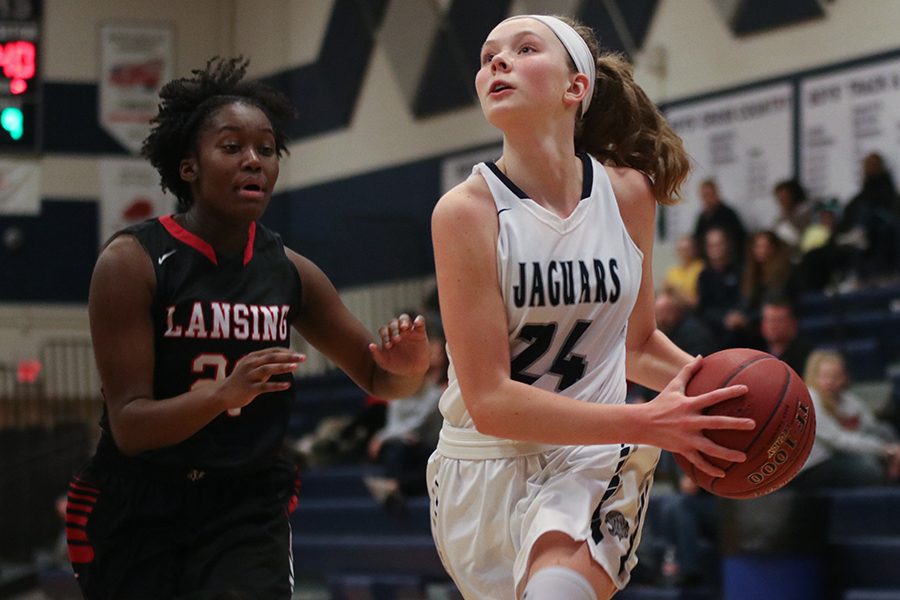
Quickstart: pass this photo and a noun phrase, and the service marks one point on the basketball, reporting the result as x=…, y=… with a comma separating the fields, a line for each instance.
x=777, y=400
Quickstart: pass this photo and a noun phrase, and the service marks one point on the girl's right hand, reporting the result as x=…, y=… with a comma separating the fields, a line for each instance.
x=677, y=421
x=251, y=376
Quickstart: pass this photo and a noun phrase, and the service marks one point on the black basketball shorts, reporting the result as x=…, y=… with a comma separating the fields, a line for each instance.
x=188, y=535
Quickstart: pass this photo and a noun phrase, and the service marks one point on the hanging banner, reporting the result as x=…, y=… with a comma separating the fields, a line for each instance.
x=129, y=194
x=745, y=142
x=20, y=187
x=135, y=62
x=845, y=115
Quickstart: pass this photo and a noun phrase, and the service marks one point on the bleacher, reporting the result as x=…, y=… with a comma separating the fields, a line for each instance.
x=345, y=541
x=864, y=325
x=864, y=543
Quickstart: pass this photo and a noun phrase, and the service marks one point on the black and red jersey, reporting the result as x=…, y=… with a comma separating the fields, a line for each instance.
x=209, y=311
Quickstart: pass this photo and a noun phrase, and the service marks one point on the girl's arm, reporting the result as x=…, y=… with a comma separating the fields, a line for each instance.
x=393, y=369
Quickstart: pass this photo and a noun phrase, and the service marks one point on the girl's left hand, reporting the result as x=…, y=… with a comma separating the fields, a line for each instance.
x=404, y=348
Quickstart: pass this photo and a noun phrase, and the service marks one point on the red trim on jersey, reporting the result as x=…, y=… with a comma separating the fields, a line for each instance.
x=183, y=235
x=73, y=534
x=201, y=245
x=248, y=249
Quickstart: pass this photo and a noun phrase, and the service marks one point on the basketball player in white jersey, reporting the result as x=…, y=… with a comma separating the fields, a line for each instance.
x=541, y=479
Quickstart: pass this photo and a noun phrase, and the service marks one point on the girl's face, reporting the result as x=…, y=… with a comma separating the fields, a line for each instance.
x=523, y=65
x=831, y=378
x=686, y=250
x=785, y=201
x=763, y=249
x=235, y=166
x=716, y=247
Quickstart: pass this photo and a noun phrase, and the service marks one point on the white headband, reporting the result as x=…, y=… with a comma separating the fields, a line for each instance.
x=576, y=47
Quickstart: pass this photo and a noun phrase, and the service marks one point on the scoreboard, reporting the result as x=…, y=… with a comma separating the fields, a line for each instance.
x=20, y=82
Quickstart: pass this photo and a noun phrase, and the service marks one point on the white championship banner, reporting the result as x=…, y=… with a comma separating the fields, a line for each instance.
x=135, y=62
x=744, y=140
x=844, y=116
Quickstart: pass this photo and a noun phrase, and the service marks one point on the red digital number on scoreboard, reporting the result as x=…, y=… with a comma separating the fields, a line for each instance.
x=18, y=61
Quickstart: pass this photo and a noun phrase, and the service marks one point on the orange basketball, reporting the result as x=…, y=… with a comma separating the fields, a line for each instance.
x=779, y=402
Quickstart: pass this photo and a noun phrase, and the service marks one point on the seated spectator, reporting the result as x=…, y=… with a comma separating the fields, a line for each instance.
x=852, y=447
x=410, y=434
x=352, y=439
x=767, y=272
x=871, y=222
x=681, y=326
x=716, y=214
x=779, y=334
x=681, y=278
x=822, y=261
x=347, y=439
x=795, y=213
x=820, y=229
x=687, y=331
x=719, y=292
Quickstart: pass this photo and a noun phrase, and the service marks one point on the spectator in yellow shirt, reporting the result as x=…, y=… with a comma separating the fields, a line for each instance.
x=681, y=278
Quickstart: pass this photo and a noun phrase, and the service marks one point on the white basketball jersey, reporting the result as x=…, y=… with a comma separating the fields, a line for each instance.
x=569, y=286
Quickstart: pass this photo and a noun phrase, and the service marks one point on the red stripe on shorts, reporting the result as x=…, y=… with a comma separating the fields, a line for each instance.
x=79, y=507
x=80, y=554
x=83, y=487
x=74, y=496
x=76, y=520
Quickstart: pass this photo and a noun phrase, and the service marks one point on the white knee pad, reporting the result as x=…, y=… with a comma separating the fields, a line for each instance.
x=553, y=583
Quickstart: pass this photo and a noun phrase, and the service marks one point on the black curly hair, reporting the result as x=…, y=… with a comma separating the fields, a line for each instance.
x=186, y=106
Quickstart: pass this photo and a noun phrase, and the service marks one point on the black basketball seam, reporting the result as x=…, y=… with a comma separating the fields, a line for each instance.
x=772, y=413
x=744, y=366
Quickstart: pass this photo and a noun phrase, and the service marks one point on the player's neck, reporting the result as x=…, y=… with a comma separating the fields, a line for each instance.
x=226, y=238
x=550, y=174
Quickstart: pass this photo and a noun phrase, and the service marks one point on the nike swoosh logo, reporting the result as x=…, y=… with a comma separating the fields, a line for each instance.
x=163, y=258
x=502, y=209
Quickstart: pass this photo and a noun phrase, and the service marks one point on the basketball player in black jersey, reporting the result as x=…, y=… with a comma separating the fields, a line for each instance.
x=186, y=496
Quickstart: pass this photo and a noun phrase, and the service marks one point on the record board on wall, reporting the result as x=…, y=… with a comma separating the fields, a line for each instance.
x=742, y=139
x=846, y=114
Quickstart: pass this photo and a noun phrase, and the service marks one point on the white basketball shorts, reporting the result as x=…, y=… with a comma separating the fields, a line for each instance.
x=487, y=514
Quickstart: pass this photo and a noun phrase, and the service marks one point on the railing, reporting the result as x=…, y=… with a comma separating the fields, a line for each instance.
x=67, y=389
x=373, y=305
